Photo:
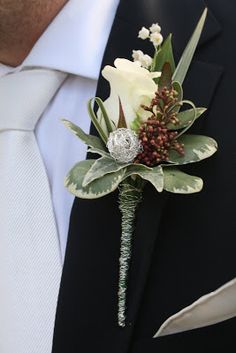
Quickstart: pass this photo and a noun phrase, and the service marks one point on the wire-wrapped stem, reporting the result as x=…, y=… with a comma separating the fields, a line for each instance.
x=130, y=195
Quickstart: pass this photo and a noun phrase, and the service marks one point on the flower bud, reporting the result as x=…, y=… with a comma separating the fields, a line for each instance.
x=156, y=38
x=155, y=28
x=143, y=33
x=144, y=59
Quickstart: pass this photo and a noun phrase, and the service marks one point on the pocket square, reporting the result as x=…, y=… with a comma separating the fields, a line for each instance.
x=210, y=309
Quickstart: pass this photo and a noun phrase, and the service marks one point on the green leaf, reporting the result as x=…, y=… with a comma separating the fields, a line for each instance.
x=153, y=175
x=96, y=189
x=95, y=121
x=99, y=151
x=109, y=125
x=185, y=61
x=101, y=167
x=164, y=55
x=178, y=182
x=90, y=140
x=196, y=148
x=186, y=118
x=166, y=77
x=192, y=120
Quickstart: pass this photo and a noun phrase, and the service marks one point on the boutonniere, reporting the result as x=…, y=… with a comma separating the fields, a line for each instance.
x=143, y=137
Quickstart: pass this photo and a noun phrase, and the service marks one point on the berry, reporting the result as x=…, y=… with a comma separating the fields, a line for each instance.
x=156, y=139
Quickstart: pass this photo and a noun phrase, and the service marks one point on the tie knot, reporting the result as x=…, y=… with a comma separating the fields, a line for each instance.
x=25, y=95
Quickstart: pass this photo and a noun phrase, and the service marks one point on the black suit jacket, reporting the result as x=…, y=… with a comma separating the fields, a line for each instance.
x=184, y=246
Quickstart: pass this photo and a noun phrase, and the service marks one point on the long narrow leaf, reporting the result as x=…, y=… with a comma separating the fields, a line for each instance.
x=104, y=114
x=193, y=118
x=98, y=151
x=90, y=140
x=178, y=87
x=95, y=121
x=189, y=51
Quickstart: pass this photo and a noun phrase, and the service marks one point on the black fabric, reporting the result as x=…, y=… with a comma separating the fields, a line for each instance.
x=214, y=338
x=184, y=246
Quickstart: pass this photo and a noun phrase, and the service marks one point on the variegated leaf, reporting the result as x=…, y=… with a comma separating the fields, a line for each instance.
x=154, y=175
x=101, y=167
x=100, y=152
x=98, y=188
x=196, y=148
x=90, y=140
x=178, y=182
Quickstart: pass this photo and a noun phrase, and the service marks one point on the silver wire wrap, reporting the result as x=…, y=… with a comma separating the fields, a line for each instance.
x=129, y=199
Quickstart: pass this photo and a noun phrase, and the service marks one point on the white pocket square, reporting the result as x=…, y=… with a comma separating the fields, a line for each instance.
x=210, y=309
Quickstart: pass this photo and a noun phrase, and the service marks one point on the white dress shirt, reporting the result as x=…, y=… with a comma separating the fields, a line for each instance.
x=74, y=43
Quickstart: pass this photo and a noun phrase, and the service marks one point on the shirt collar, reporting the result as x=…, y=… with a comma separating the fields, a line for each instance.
x=76, y=39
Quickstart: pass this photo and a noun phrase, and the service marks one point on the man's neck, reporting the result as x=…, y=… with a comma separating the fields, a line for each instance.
x=21, y=28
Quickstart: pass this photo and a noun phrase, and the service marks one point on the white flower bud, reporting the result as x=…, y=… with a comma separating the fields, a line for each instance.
x=155, y=28
x=144, y=33
x=144, y=59
x=137, y=54
x=156, y=38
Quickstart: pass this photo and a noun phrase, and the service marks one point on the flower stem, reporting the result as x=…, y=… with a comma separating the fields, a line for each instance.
x=130, y=196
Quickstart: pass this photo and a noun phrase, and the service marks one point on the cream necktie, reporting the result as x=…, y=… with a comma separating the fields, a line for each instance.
x=30, y=261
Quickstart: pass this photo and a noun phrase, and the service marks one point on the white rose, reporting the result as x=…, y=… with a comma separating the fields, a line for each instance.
x=155, y=28
x=134, y=86
x=144, y=59
x=143, y=33
x=156, y=38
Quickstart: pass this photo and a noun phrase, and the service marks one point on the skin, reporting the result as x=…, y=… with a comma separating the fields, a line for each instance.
x=22, y=22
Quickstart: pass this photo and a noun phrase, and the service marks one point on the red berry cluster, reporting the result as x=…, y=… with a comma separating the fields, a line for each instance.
x=157, y=140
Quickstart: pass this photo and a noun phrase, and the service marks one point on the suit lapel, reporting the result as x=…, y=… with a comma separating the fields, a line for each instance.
x=87, y=304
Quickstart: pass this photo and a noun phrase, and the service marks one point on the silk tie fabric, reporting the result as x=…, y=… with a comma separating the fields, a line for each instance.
x=30, y=260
